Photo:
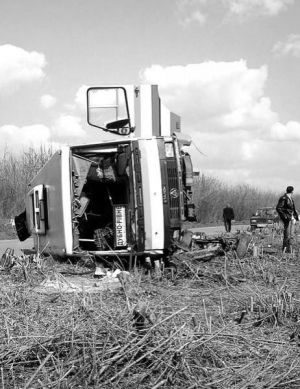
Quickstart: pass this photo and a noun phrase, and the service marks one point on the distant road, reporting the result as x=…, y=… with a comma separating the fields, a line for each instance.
x=28, y=244
x=16, y=245
x=219, y=229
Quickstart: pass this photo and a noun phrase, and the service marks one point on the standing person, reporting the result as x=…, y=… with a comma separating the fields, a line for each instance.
x=288, y=214
x=228, y=216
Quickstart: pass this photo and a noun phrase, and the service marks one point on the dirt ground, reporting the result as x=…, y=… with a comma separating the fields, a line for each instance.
x=228, y=322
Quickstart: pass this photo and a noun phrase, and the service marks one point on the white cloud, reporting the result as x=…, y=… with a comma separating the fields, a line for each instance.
x=215, y=95
x=80, y=101
x=21, y=137
x=289, y=132
x=48, y=101
x=248, y=159
x=188, y=12
x=290, y=46
x=65, y=130
x=223, y=106
x=68, y=127
x=194, y=17
x=198, y=11
x=250, y=7
x=255, y=114
x=80, y=98
x=18, y=66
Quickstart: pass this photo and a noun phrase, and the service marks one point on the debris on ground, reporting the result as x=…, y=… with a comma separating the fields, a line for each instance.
x=204, y=247
x=77, y=284
x=231, y=322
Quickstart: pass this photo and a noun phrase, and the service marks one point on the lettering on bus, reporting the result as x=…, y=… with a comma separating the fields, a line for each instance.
x=120, y=226
x=164, y=194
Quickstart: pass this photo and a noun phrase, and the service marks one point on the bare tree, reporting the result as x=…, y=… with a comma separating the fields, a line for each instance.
x=16, y=171
x=212, y=195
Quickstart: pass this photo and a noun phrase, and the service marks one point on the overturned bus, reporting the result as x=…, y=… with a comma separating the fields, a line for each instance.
x=125, y=197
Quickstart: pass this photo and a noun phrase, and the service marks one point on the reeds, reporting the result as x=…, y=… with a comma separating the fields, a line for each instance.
x=217, y=324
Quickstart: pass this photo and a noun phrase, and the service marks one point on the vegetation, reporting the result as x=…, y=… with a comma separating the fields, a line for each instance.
x=211, y=194
x=227, y=323
x=16, y=171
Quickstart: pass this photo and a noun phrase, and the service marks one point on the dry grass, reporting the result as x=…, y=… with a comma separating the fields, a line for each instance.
x=157, y=333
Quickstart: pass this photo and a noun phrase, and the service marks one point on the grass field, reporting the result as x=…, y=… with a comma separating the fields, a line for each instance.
x=225, y=323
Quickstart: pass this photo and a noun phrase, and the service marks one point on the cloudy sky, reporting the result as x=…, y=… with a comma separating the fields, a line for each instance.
x=229, y=68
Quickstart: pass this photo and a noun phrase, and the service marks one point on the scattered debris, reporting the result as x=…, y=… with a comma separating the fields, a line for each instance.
x=243, y=244
x=7, y=259
x=205, y=254
x=225, y=323
x=77, y=284
x=202, y=247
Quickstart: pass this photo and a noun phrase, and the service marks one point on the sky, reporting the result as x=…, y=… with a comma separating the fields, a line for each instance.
x=229, y=68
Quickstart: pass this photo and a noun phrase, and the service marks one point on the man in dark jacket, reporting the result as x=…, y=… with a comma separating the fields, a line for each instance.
x=288, y=214
x=228, y=216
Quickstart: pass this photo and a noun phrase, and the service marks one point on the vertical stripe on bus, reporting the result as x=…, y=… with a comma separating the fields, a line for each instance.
x=66, y=198
x=152, y=195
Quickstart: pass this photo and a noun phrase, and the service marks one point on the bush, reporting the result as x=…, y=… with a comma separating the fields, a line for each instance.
x=16, y=171
x=212, y=195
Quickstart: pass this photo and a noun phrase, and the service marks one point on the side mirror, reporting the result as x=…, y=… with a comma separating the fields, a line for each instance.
x=107, y=108
x=119, y=126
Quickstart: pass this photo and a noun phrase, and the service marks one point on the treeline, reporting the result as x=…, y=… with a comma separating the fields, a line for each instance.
x=210, y=195
x=16, y=171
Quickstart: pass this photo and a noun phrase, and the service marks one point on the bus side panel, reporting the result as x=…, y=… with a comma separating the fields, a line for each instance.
x=50, y=176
